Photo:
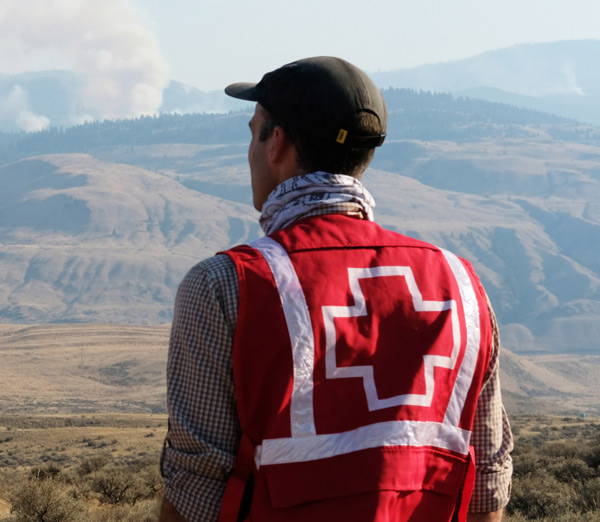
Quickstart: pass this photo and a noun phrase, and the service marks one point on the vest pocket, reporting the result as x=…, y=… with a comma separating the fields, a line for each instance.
x=379, y=469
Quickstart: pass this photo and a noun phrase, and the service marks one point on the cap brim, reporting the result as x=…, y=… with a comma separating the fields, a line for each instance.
x=243, y=91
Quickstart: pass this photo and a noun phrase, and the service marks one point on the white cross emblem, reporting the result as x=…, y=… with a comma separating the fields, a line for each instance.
x=333, y=371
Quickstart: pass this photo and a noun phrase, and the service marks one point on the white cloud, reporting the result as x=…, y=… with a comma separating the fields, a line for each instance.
x=15, y=108
x=123, y=69
x=31, y=122
x=569, y=76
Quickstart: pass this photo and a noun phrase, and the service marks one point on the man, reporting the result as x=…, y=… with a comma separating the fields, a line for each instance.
x=331, y=370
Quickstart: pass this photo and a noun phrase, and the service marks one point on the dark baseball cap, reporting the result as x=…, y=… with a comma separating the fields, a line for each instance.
x=319, y=96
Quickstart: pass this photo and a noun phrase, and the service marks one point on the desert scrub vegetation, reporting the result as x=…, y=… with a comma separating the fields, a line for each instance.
x=556, y=470
x=105, y=469
x=101, y=491
x=97, y=468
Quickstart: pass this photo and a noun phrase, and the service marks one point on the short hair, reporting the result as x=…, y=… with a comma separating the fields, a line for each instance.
x=314, y=155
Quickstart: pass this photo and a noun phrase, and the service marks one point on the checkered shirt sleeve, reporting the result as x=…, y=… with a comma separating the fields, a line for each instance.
x=204, y=432
x=492, y=439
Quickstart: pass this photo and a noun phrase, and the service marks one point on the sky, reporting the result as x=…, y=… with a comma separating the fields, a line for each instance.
x=126, y=51
x=210, y=43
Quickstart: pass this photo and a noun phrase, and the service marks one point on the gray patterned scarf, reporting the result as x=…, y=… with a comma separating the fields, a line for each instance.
x=300, y=195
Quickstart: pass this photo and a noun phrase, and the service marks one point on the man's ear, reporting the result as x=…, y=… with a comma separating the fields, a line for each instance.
x=280, y=145
x=282, y=155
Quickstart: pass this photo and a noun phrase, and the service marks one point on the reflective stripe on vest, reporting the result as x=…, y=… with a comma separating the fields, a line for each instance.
x=305, y=444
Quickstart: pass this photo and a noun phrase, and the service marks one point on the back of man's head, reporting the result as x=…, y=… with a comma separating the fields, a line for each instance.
x=333, y=112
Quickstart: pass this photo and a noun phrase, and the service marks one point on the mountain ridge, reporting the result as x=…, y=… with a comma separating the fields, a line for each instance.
x=556, y=77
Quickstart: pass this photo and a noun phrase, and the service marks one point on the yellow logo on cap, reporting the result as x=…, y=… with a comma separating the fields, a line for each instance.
x=341, y=137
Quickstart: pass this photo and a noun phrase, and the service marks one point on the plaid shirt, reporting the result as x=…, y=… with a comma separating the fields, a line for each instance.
x=204, y=430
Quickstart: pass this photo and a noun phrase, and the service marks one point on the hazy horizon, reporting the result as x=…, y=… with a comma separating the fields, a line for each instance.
x=127, y=51
x=210, y=44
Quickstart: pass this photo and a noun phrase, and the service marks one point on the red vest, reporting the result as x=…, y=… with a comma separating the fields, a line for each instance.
x=359, y=356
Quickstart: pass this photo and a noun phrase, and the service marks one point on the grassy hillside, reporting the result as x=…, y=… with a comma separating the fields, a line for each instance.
x=90, y=368
x=66, y=369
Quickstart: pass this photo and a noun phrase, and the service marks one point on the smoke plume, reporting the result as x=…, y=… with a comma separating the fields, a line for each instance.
x=14, y=107
x=118, y=59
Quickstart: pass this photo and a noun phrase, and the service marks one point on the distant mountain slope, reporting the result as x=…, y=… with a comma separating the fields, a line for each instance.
x=542, y=276
x=96, y=240
x=86, y=241
x=583, y=108
x=524, y=211
x=561, y=78
x=180, y=98
x=535, y=69
x=558, y=77
x=412, y=115
x=105, y=230
x=550, y=384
